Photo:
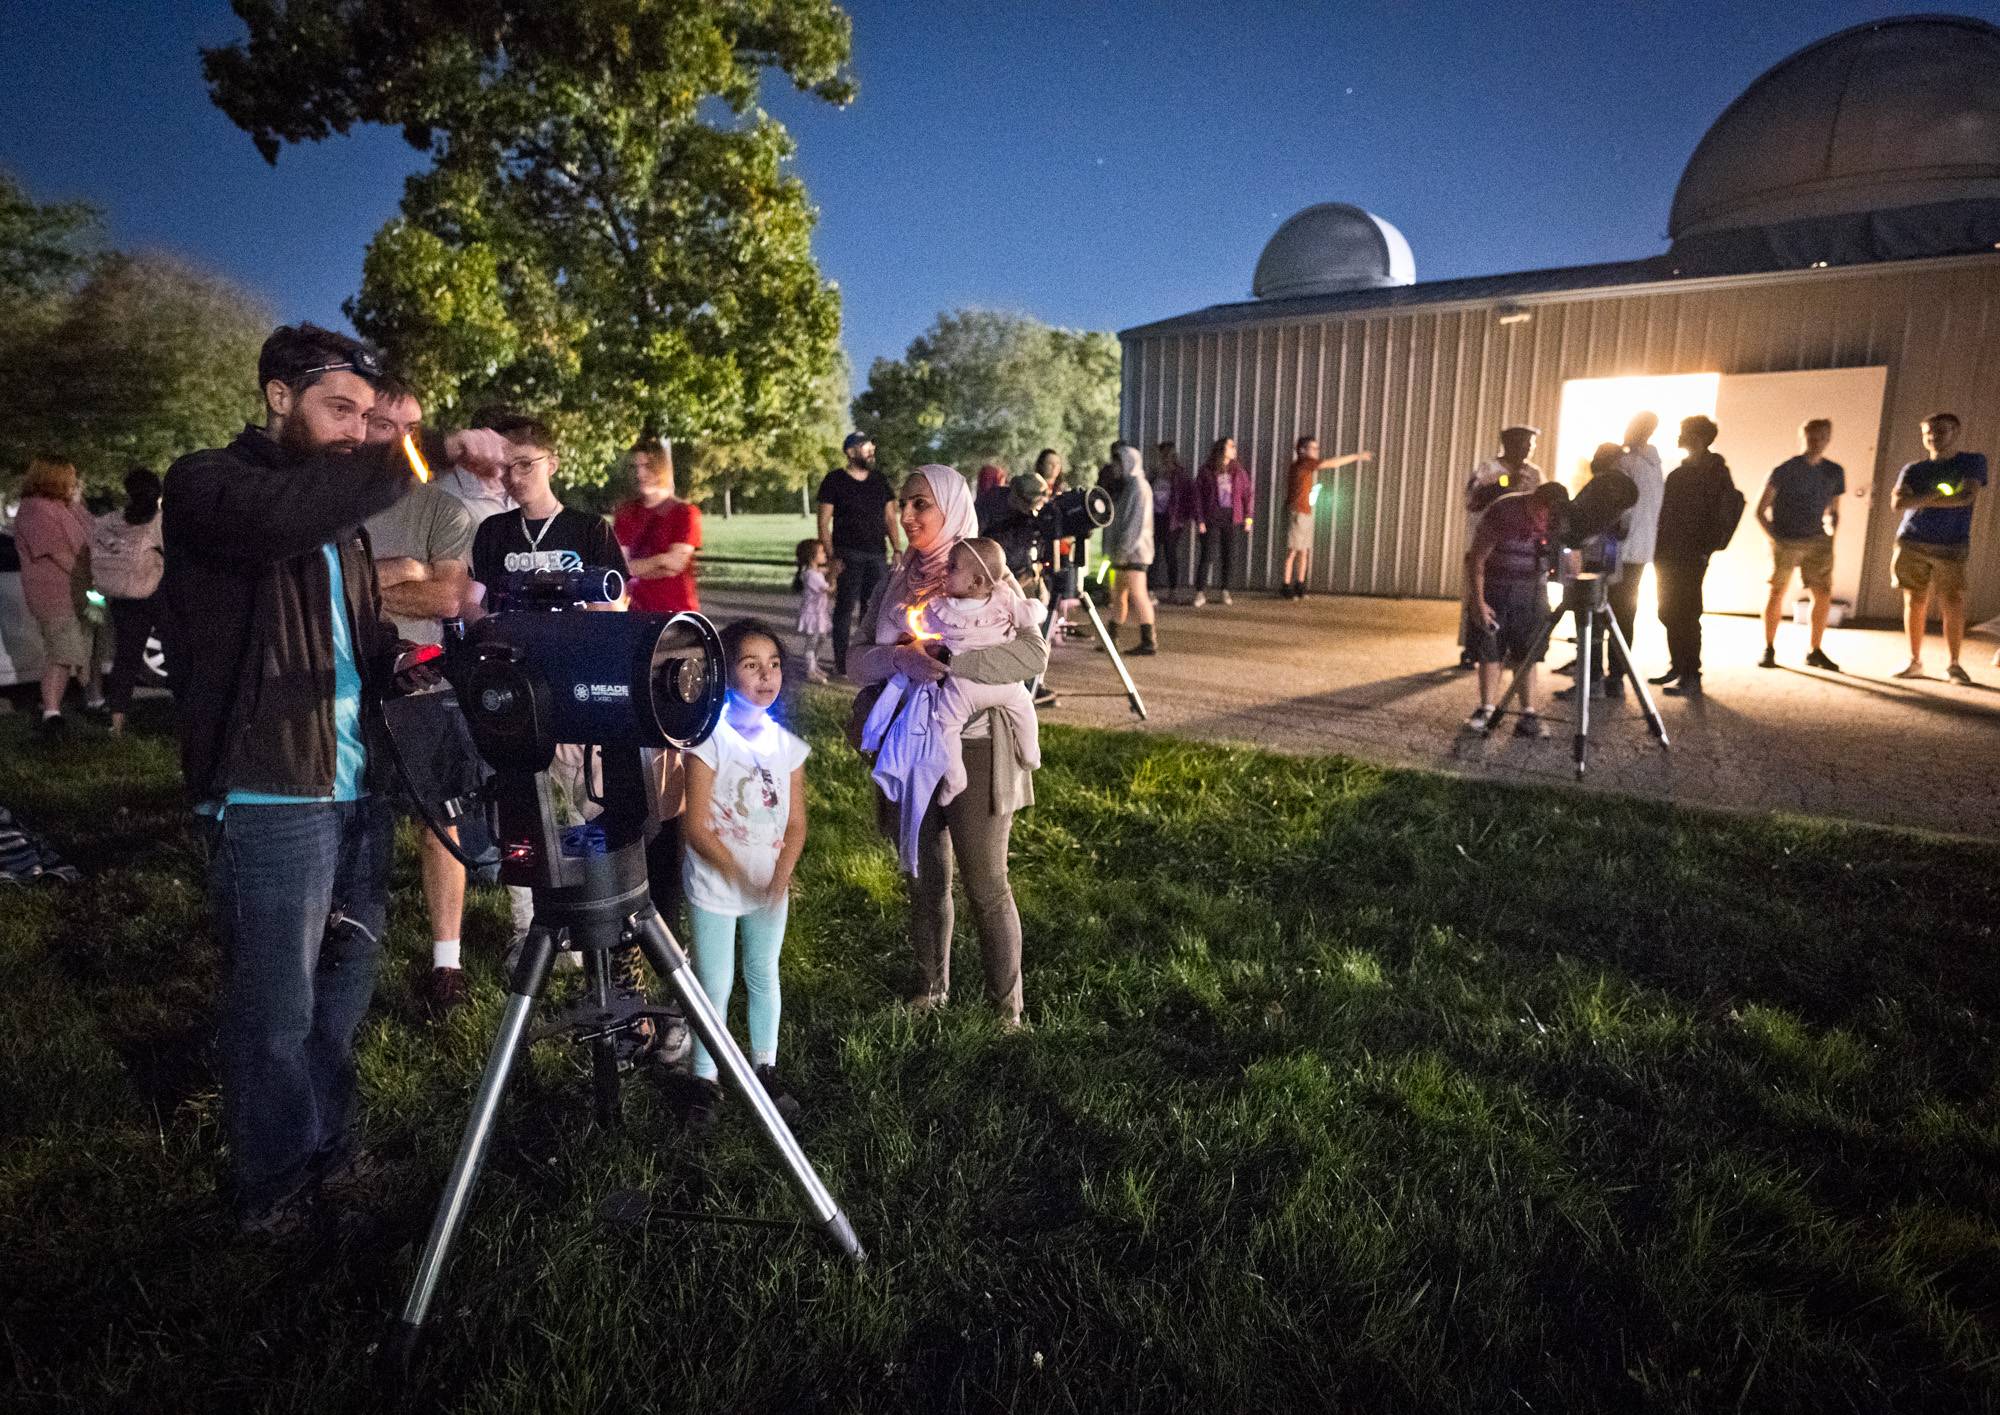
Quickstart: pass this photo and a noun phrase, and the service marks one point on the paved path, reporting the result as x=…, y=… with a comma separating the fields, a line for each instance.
x=1371, y=678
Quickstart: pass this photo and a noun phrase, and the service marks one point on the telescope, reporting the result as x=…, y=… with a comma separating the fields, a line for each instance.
x=1074, y=514
x=549, y=672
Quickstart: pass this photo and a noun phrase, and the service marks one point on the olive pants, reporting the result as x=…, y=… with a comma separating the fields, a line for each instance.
x=969, y=828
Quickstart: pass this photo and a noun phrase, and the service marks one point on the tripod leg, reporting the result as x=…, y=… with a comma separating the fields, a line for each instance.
x=1586, y=670
x=530, y=977
x=1117, y=659
x=603, y=1050
x=647, y=930
x=1517, y=686
x=1652, y=713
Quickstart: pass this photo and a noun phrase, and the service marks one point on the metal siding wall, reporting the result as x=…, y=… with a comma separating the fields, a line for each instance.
x=1428, y=389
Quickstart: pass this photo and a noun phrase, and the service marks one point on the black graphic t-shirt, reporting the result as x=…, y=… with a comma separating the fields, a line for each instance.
x=510, y=544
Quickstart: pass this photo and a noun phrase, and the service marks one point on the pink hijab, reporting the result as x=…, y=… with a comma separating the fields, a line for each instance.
x=919, y=575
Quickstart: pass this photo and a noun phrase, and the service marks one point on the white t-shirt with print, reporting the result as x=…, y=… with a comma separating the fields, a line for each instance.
x=748, y=810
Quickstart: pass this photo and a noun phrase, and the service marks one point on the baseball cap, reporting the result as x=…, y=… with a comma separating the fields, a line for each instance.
x=854, y=440
x=1028, y=486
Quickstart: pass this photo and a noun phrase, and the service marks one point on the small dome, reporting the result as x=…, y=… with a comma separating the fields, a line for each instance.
x=1329, y=248
x=1897, y=113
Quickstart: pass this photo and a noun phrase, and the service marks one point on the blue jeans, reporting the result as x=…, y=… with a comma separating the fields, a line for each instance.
x=299, y=895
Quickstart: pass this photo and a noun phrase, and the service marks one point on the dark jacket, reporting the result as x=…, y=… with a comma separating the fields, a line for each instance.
x=1699, y=495
x=247, y=607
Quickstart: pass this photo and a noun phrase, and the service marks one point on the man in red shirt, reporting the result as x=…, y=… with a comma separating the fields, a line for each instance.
x=660, y=534
x=1306, y=467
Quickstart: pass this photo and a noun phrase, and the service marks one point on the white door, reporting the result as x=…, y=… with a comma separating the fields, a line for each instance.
x=1760, y=414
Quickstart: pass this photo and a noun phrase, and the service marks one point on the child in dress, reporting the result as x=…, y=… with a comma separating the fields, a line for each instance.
x=746, y=827
x=814, y=582
x=919, y=749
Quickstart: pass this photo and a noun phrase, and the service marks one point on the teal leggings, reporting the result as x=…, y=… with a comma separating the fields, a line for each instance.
x=715, y=965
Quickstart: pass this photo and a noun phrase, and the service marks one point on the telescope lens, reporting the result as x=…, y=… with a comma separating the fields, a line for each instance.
x=686, y=679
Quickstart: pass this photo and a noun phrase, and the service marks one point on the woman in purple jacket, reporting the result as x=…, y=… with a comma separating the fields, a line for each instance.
x=1222, y=508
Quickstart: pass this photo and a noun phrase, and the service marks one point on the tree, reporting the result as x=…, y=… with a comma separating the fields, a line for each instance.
x=981, y=386
x=148, y=359
x=609, y=233
x=44, y=250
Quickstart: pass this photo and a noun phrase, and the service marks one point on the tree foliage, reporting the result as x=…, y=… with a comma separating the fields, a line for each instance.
x=981, y=386
x=112, y=359
x=609, y=232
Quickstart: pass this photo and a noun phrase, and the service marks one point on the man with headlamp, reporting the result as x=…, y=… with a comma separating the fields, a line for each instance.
x=278, y=638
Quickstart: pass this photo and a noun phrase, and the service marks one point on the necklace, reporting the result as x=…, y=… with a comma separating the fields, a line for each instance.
x=535, y=541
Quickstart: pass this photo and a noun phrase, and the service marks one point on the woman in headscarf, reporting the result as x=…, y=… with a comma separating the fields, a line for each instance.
x=974, y=827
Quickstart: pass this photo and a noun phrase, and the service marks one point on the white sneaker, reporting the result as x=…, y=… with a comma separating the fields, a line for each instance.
x=1914, y=669
x=1481, y=717
x=1226, y=599
x=1198, y=601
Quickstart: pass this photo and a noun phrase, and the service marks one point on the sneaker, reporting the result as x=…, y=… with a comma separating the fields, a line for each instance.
x=786, y=1103
x=100, y=707
x=1957, y=674
x=355, y=1175
x=1818, y=659
x=1480, y=720
x=291, y=1217
x=1046, y=699
x=1198, y=601
x=704, y=1098
x=1226, y=599
x=53, y=726
x=1913, y=669
x=1770, y=658
x=445, y=990
x=1530, y=725
x=1688, y=687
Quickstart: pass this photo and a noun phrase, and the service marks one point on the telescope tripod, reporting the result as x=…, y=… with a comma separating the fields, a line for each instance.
x=1067, y=582
x=593, y=904
x=1597, y=632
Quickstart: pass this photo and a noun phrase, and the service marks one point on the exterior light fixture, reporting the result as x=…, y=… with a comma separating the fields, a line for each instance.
x=1514, y=314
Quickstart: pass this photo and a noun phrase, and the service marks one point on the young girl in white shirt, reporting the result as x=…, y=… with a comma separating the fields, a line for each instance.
x=746, y=827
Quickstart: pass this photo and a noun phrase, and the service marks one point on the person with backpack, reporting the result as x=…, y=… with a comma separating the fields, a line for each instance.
x=1699, y=509
x=127, y=559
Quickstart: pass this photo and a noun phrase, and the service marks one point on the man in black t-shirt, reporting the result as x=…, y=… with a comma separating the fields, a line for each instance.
x=857, y=516
x=538, y=534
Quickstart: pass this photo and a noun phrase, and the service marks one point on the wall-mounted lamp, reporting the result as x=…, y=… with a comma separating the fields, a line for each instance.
x=1514, y=314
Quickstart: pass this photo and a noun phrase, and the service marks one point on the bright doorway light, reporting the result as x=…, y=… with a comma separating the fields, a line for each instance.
x=1596, y=410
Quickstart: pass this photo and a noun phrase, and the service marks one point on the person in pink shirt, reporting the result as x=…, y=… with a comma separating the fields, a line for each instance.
x=51, y=532
x=1222, y=508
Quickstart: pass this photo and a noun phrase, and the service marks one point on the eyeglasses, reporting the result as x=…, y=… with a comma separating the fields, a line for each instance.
x=524, y=465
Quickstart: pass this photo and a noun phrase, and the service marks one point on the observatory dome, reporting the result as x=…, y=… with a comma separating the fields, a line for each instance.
x=1889, y=115
x=1329, y=248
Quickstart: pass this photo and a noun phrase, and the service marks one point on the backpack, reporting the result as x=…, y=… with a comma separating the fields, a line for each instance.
x=1728, y=516
x=126, y=561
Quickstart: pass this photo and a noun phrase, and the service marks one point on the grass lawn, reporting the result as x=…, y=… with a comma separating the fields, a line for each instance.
x=1349, y=1089
x=761, y=537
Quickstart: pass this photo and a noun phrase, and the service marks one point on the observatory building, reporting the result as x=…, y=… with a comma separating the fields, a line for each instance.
x=1835, y=251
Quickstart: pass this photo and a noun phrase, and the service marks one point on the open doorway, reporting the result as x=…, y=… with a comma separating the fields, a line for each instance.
x=1759, y=416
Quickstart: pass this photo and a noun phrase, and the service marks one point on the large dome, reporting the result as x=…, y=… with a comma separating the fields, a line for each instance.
x=1895, y=114
x=1329, y=248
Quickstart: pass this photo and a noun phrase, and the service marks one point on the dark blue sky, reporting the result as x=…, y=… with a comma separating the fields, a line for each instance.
x=1096, y=165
